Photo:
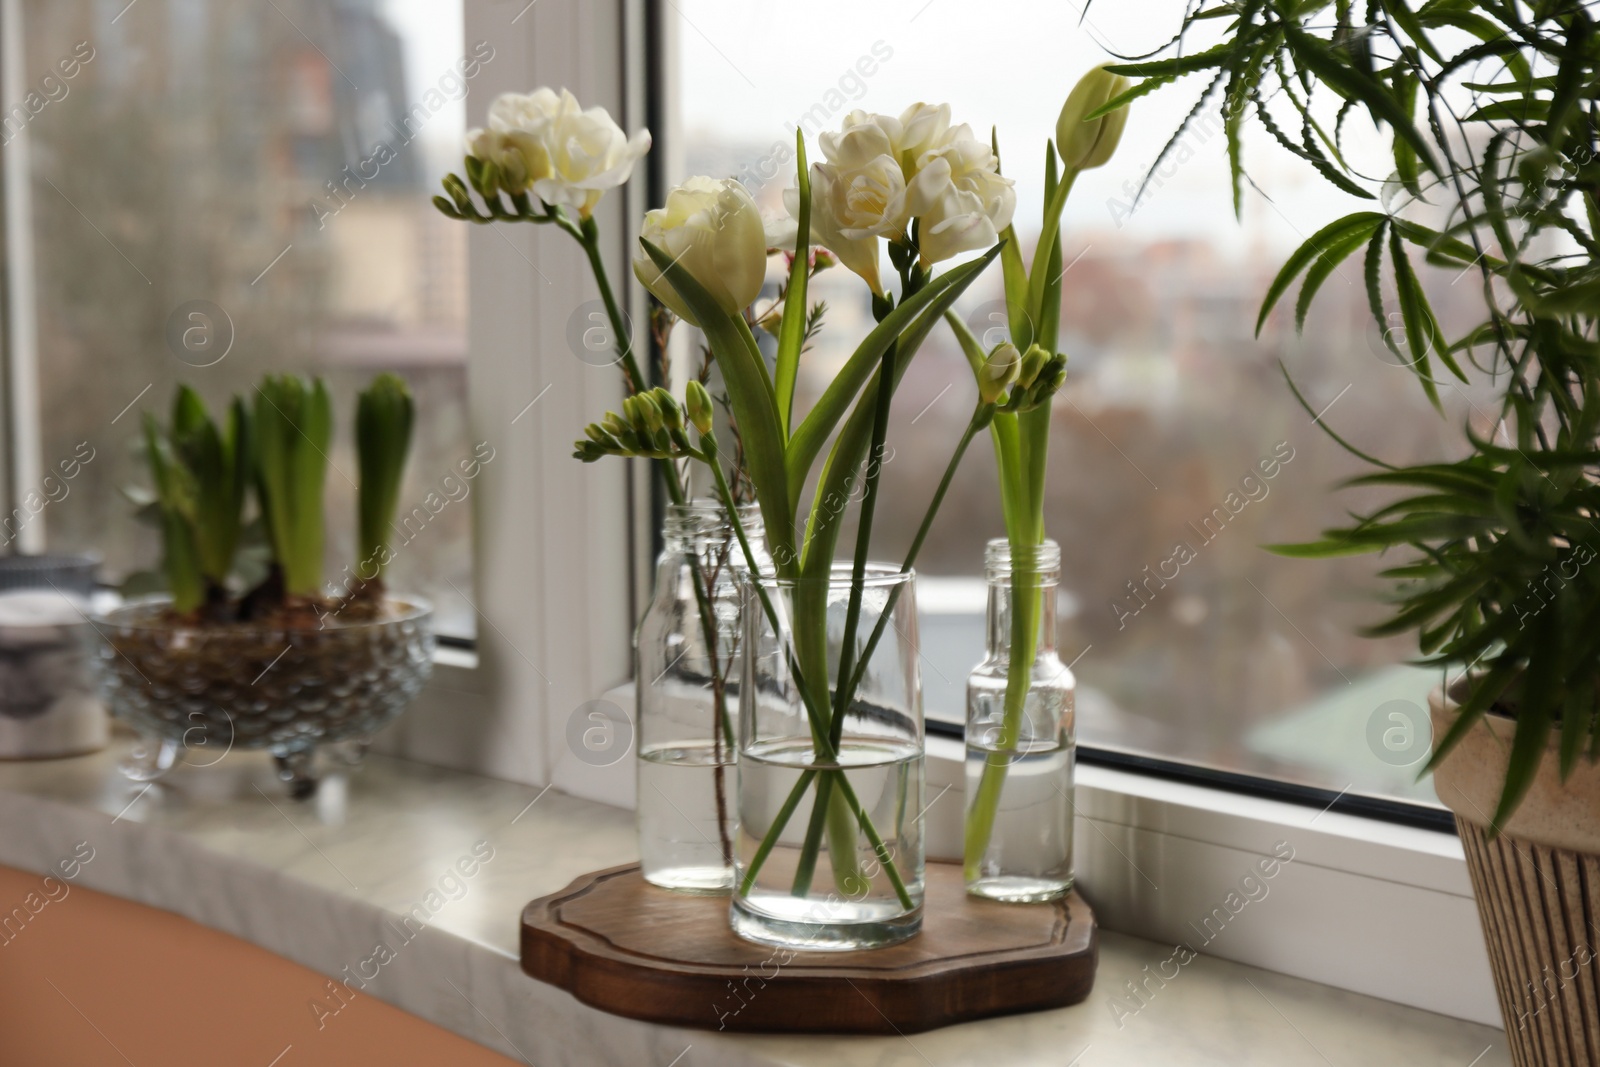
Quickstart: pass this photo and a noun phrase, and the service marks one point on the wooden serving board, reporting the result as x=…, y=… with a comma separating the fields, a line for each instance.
x=630, y=948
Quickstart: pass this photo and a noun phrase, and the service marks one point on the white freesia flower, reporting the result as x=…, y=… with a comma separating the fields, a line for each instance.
x=866, y=187
x=711, y=228
x=961, y=197
x=883, y=171
x=918, y=130
x=858, y=253
x=572, y=155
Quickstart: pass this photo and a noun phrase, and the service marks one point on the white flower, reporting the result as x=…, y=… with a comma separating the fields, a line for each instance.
x=960, y=197
x=918, y=130
x=712, y=229
x=866, y=187
x=883, y=171
x=858, y=253
x=572, y=155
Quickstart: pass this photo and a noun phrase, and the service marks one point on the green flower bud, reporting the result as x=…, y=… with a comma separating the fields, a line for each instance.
x=649, y=411
x=999, y=371
x=1086, y=145
x=613, y=424
x=633, y=411
x=1032, y=363
x=698, y=403
x=671, y=413
x=458, y=193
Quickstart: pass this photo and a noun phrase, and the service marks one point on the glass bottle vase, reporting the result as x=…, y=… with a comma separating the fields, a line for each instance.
x=686, y=659
x=1020, y=736
x=830, y=850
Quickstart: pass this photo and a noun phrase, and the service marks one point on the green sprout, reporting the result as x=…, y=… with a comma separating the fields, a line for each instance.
x=294, y=427
x=384, y=414
x=201, y=474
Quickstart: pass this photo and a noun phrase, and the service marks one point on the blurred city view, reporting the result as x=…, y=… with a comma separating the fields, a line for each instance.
x=229, y=188
x=1175, y=428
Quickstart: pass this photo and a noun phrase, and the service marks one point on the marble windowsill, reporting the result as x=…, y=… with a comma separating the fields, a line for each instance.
x=323, y=882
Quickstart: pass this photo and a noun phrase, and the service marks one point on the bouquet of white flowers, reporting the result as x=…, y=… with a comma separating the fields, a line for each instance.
x=827, y=689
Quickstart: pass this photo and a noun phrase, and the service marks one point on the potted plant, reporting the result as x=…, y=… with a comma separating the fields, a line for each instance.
x=283, y=664
x=1490, y=111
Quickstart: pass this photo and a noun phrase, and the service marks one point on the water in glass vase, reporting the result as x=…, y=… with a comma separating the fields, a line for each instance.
x=688, y=792
x=1020, y=736
x=1029, y=851
x=849, y=897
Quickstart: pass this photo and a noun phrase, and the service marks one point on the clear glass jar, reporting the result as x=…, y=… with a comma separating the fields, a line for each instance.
x=685, y=655
x=830, y=851
x=1020, y=736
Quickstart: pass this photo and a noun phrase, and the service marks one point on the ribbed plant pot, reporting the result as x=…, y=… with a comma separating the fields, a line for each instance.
x=1537, y=886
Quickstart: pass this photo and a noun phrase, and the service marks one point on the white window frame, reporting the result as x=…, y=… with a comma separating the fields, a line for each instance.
x=561, y=566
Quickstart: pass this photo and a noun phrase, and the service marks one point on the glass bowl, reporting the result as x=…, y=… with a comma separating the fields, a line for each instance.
x=208, y=689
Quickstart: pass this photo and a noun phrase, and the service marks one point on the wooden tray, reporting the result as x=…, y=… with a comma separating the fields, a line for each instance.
x=630, y=948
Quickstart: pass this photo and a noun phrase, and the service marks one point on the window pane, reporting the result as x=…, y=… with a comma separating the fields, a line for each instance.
x=1175, y=427
x=227, y=188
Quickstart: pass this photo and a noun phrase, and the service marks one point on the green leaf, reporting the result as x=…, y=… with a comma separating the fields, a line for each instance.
x=1422, y=334
x=751, y=395
x=1407, y=20
x=1527, y=749
x=1128, y=96
x=1319, y=245
x=294, y=430
x=792, y=330
x=1352, y=84
x=1015, y=277
x=1170, y=68
x=384, y=417
x=1483, y=692
x=1325, y=264
x=1332, y=548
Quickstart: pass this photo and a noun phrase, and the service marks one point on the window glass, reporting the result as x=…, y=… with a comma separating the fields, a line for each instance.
x=1176, y=449
x=226, y=188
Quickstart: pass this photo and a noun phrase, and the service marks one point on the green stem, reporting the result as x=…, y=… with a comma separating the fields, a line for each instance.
x=805, y=870
x=985, y=805
x=824, y=753
x=980, y=418
x=587, y=234
x=858, y=573
x=1020, y=442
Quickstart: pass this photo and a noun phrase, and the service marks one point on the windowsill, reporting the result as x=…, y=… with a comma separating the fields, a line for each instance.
x=323, y=889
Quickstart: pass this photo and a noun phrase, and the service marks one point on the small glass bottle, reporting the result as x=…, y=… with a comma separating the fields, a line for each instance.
x=686, y=659
x=1020, y=737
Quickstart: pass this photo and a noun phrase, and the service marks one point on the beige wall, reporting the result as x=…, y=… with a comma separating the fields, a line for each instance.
x=132, y=984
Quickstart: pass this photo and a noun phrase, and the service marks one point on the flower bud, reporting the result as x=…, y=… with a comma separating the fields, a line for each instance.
x=698, y=403
x=458, y=193
x=671, y=413
x=1032, y=364
x=1085, y=145
x=645, y=405
x=634, y=415
x=999, y=371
